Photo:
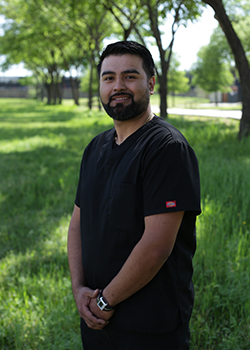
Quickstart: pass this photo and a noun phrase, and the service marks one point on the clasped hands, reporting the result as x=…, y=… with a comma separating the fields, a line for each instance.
x=86, y=304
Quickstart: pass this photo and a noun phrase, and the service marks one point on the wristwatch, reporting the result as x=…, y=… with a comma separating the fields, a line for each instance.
x=102, y=303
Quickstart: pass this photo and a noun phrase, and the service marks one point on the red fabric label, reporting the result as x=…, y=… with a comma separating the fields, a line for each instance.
x=170, y=204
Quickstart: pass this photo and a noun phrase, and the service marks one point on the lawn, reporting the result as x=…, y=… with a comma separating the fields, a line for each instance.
x=194, y=103
x=40, y=153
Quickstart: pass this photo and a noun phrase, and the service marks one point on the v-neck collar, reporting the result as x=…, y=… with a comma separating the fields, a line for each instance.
x=131, y=139
x=117, y=151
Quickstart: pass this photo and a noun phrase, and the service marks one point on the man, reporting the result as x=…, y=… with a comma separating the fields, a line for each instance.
x=132, y=234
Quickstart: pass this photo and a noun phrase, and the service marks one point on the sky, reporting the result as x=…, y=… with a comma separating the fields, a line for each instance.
x=189, y=40
x=186, y=45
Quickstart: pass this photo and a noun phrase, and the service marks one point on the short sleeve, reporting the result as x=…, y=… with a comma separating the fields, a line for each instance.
x=171, y=180
x=78, y=191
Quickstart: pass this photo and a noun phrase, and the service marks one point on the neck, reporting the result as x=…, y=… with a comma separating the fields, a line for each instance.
x=127, y=127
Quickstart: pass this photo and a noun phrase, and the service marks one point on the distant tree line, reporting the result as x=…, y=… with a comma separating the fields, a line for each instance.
x=58, y=36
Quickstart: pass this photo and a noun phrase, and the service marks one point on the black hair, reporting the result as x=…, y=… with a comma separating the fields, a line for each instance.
x=131, y=48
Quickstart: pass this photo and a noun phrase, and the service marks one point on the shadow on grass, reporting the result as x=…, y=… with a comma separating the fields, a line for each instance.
x=43, y=124
x=39, y=117
x=205, y=130
x=28, y=106
x=38, y=187
x=18, y=104
x=37, y=191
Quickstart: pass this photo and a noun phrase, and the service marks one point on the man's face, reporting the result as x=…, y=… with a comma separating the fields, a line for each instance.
x=124, y=87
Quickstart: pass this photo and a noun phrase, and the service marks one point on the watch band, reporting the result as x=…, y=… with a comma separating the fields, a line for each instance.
x=102, y=303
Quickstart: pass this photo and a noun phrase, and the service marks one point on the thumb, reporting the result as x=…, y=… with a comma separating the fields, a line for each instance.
x=95, y=293
x=91, y=293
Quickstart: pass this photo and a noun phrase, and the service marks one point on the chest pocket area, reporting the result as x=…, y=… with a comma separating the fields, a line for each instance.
x=126, y=207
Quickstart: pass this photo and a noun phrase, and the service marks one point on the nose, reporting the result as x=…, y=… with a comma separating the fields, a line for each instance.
x=119, y=85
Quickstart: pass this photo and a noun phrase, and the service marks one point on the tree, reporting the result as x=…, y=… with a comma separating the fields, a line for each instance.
x=212, y=70
x=241, y=21
x=177, y=80
x=240, y=61
x=90, y=81
x=159, y=12
x=25, y=40
x=89, y=24
x=128, y=15
x=52, y=37
x=145, y=19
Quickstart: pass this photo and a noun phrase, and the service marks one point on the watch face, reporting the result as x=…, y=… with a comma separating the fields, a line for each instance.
x=101, y=304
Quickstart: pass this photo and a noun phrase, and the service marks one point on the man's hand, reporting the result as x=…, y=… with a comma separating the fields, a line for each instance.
x=104, y=315
x=85, y=296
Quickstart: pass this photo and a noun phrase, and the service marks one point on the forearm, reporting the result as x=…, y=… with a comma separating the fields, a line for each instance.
x=82, y=294
x=138, y=270
x=146, y=259
x=75, y=253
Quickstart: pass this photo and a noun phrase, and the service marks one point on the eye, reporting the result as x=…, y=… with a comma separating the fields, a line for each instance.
x=130, y=77
x=108, y=78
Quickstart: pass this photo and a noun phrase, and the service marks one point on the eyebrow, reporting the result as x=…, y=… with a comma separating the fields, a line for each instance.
x=127, y=71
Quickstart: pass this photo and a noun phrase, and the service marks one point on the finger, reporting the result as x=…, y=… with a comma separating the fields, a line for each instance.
x=95, y=325
x=89, y=317
x=99, y=327
x=96, y=321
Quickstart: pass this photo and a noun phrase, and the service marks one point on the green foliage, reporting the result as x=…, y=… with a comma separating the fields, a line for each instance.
x=41, y=148
x=52, y=37
x=27, y=81
x=212, y=69
x=215, y=61
x=177, y=80
x=221, y=318
x=85, y=82
x=242, y=27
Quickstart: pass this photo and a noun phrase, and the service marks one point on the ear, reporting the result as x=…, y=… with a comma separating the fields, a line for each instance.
x=151, y=85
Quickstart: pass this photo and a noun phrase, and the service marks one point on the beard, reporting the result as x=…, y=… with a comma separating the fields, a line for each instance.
x=134, y=109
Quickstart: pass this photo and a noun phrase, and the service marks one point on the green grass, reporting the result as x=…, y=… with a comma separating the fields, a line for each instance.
x=194, y=103
x=40, y=153
x=179, y=101
x=221, y=317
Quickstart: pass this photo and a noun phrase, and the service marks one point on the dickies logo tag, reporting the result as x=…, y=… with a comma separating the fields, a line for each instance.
x=171, y=204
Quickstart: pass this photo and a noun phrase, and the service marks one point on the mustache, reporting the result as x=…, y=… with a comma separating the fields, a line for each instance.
x=120, y=94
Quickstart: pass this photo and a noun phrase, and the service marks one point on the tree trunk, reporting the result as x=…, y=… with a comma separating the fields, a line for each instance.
x=52, y=88
x=58, y=88
x=216, y=94
x=59, y=93
x=99, y=100
x=75, y=90
x=163, y=95
x=240, y=61
x=90, y=92
x=48, y=88
x=173, y=99
x=54, y=92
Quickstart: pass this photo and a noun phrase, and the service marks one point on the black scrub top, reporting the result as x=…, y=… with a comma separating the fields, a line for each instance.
x=153, y=171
